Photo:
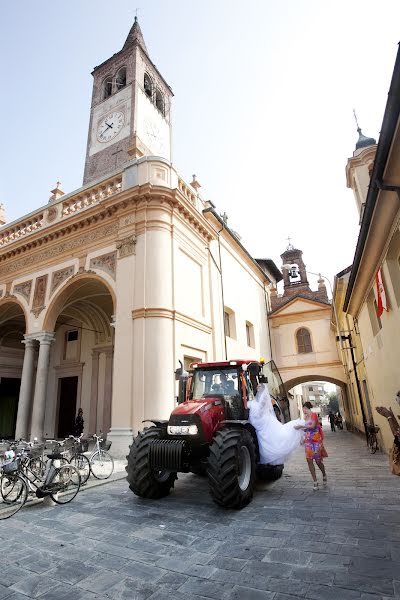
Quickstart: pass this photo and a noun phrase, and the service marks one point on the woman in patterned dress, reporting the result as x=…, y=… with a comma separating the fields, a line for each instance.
x=314, y=444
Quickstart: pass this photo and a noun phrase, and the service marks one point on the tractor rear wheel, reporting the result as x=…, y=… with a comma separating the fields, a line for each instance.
x=232, y=467
x=269, y=472
x=143, y=480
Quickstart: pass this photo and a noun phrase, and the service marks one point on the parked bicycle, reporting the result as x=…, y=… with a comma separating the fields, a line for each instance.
x=76, y=457
x=372, y=440
x=101, y=461
x=60, y=481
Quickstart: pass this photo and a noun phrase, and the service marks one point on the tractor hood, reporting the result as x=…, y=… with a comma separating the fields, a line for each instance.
x=193, y=407
x=208, y=414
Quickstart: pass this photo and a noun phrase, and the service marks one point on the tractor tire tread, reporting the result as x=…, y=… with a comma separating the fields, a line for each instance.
x=139, y=473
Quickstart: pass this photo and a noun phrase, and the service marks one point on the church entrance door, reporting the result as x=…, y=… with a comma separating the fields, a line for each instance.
x=9, y=394
x=68, y=387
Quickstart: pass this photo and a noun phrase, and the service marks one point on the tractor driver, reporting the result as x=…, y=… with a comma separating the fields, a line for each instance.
x=223, y=386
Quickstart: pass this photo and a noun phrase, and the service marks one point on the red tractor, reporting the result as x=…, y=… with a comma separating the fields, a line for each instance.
x=209, y=433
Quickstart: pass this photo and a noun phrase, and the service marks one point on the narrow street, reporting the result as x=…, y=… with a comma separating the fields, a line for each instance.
x=339, y=543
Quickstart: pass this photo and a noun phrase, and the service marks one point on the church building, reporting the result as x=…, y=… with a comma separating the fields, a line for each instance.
x=103, y=290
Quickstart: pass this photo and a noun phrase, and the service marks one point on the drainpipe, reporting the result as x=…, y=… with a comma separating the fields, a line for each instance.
x=353, y=360
x=219, y=269
x=269, y=329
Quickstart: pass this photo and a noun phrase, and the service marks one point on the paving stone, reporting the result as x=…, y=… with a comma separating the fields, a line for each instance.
x=35, y=585
x=11, y=574
x=288, y=586
x=5, y=592
x=287, y=557
x=203, y=587
x=65, y=592
x=188, y=568
x=100, y=582
x=143, y=572
x=363, y=583
x=71, y=571
x=230, y=564
x=316, y=592
x=242, y=593
x=267, y=569
x=130, y=589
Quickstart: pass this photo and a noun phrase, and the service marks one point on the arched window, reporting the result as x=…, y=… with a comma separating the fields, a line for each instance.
x=160, y=101
x=107, y=87
x=148, y=85
x=303, y=339
x=120, y=79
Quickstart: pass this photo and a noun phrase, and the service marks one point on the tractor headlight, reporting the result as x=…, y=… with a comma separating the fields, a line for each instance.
x=182, y=429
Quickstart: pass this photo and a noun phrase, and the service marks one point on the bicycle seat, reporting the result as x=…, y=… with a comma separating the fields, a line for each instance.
x=56, y=456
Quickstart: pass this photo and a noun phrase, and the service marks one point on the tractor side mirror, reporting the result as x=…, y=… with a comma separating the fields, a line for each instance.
x=182, y=376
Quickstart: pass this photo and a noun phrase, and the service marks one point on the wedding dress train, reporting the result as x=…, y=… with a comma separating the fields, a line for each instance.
x=276, y=440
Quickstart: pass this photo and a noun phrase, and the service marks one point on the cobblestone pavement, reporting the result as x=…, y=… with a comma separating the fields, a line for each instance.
x=290, y=542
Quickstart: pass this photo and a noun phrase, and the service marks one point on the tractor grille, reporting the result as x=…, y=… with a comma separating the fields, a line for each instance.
x=167, y=454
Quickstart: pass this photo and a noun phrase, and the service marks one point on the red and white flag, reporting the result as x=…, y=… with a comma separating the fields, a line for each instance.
x=382, y=302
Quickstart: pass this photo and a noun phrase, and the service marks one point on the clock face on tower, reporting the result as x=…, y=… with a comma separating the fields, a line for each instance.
x=110, y=126
x=154, y=138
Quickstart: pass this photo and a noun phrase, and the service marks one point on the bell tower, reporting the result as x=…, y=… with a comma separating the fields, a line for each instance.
x=130, y=114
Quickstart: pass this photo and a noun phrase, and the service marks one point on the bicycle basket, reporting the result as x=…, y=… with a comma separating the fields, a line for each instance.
x=10, y=467
x=104, y=445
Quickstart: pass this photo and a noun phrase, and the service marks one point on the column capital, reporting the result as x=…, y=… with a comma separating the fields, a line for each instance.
x=45, y=337
x=29, y=341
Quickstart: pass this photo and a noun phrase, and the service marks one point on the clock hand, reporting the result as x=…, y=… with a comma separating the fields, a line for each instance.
x=110, y=126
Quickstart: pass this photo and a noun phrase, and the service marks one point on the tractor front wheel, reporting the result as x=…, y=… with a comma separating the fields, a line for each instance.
x=232, y=467
x=143, y=480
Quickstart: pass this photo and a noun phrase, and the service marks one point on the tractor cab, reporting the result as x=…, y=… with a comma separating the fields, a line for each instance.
x=235, y=384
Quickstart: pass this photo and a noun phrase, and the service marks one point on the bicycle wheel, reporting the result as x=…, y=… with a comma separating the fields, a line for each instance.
x=81, y=462
x=13, y=495
x=101, y=464
x=372, y=443
x=65, y=484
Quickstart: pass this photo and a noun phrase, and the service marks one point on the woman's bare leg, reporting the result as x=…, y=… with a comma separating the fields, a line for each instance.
x=310, y=463
x=321, y=466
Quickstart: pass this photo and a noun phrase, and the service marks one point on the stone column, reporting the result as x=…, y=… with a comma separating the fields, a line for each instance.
x=94, y=389
x=107, y=391
x=25, y=393
x=39, y=399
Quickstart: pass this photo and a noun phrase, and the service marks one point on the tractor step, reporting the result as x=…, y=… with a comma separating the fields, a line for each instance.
x=168, y=455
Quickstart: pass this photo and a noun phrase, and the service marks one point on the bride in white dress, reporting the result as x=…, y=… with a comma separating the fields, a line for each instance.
x=276, y=440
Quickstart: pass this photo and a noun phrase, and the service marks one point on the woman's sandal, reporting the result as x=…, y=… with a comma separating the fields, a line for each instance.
x=316, y=486
x=325, y=480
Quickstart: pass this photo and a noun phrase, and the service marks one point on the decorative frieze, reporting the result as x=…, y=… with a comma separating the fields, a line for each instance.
x=60, y=276
x=106, y=263
x=126, y=246
x=24, y=290
x=59, y=248
x=40, y=294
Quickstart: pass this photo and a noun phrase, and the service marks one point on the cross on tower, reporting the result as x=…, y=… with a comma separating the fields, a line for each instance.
x=290, y=246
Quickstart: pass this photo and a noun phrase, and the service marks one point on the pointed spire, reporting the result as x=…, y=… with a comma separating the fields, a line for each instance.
x=363, y=141
x=135, y=36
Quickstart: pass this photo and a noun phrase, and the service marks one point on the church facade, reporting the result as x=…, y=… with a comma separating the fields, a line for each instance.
x=105, y=289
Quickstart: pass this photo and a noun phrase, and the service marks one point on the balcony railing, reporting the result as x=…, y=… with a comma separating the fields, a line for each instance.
x=70, y=205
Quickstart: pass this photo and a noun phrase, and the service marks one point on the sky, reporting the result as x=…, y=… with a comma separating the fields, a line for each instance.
x=262, y=113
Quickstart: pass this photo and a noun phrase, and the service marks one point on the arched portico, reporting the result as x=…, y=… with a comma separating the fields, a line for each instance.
x=12, y=330
x=73, y=355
